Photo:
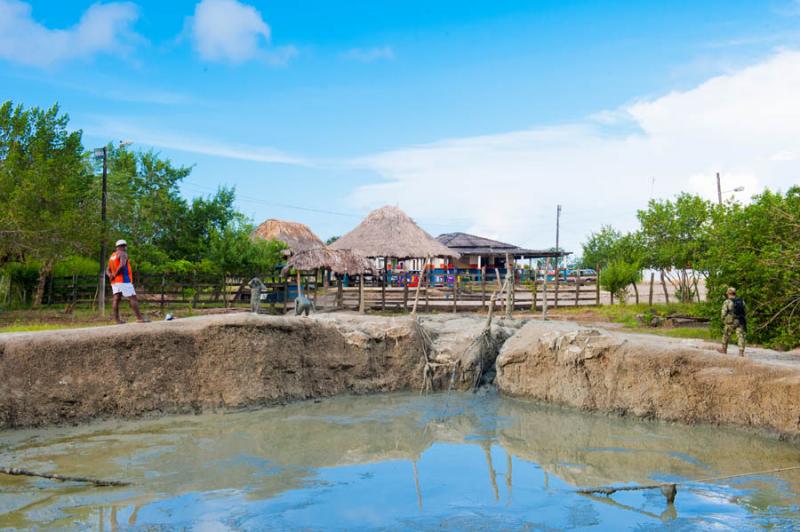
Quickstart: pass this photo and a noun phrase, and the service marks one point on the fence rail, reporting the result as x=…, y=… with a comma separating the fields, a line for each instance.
x=279, y=293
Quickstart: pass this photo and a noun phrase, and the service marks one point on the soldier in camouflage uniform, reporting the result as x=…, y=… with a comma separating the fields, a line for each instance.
x=733, y=320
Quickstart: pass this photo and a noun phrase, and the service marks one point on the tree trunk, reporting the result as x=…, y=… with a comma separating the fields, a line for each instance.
x=44, y=273
x=664, y=286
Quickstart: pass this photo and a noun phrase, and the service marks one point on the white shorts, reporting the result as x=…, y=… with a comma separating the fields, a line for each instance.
x=126, y=289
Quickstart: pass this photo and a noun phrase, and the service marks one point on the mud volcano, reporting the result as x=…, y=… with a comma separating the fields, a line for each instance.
x=265, y=446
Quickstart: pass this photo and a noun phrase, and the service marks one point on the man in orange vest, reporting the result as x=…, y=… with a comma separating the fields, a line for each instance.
x=121, y=275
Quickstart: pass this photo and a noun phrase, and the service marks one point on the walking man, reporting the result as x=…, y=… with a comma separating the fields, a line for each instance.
x=121, y=275
x=733, y=320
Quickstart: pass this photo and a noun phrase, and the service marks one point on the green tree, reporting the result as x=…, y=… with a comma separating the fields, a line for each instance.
x=756, y=248
x=675, y=237
x=601, y=247
x=46, y=187
x=617, y=276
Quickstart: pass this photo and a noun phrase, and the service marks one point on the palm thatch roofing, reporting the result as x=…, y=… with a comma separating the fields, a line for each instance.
x=468, y=244
x=295, y=235
x=389, y=232
x=337, y=261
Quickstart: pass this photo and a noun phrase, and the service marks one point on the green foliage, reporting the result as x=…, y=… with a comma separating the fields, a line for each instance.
x=331, y=240
x=608, y=245
x=674, y=234
x=617, y=276
x=76, y=265
x=599, y=250
x=756, y=248
x=46, y=187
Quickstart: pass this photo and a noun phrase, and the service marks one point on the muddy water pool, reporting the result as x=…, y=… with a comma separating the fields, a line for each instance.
x=398, y=461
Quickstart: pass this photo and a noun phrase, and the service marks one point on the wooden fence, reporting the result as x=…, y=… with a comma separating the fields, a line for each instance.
x=279, y=293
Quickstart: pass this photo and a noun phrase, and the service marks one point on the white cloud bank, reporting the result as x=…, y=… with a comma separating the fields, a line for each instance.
x=103, y=28
x=745, y=124
x=230, y=31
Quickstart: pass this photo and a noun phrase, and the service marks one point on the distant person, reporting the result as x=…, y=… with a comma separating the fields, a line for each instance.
x=256, y=287
x=121, y=275
x=303, y=305
x=734, y=320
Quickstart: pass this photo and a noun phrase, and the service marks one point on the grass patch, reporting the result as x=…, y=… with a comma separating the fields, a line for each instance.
x=43, y=327
x=703, y=333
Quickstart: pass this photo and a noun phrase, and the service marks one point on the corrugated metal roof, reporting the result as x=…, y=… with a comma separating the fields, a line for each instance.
x=468, y=244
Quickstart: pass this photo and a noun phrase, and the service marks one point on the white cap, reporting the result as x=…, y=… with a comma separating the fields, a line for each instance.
x=120, y=242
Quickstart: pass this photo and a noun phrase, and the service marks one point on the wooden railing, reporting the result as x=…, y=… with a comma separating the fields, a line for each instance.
x=198, y=290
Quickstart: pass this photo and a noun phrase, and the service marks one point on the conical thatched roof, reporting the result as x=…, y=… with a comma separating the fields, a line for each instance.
x=337, y=261
x=389, y=232
x=295, y=235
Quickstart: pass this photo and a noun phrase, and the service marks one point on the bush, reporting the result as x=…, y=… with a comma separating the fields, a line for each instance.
x=756, y=248
x=617, y=276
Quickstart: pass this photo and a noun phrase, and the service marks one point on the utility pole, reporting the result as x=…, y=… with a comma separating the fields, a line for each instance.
x=558, y=226
x=558, y=256
x=101, y=287
x=719, y=190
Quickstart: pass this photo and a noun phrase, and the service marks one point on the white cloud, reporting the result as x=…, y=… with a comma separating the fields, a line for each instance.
x=230, y=31
x=103, y=28
x=744, y=124
x=369, y=55
x=105, y=127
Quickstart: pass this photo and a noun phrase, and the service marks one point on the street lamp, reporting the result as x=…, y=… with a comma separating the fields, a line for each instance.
x=720, y=191
x=102, y=154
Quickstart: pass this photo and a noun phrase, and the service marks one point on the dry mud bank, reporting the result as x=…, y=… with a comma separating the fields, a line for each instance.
x=649, y=377
x=220, y=362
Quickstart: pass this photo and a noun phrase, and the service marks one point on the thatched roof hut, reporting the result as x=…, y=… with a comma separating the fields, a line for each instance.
x=337, y=261
x=389, y=232
x=295, y=235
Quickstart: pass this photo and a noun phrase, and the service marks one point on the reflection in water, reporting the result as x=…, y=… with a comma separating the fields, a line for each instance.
x=344, y=462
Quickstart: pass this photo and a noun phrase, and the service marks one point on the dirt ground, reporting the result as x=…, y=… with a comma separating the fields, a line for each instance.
x=649, y=376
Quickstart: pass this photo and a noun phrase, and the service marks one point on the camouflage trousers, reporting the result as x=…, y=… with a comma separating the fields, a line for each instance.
x=729, y=329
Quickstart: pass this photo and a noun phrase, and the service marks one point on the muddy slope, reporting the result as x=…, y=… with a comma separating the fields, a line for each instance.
x=226, y=361
x=649, y=377
x=198, y=363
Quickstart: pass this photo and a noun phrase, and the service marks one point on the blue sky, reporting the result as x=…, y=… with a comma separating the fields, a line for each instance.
x=447, y=109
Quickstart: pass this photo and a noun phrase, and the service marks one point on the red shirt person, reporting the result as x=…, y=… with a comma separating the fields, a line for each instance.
x=121, y=275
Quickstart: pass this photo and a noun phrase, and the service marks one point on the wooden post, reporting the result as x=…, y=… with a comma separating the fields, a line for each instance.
x=50, y=290
x=299, y=283
x=577, y=285
x=273, y=297
x=664, y=286
x=361, y=306
x=597, y=287
x=557, y=279
x=285, y=295
x=74, y=288
x=225, y=291
x=383, y=287
x=483, y=287
x=419, y=285
x=427, y=295
x=455, y=292
x=510, y=283
x=316, y=282
x=163, y=287
x=650, y=297
x=544, y=288
x=405, y=295
x=339, y=293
